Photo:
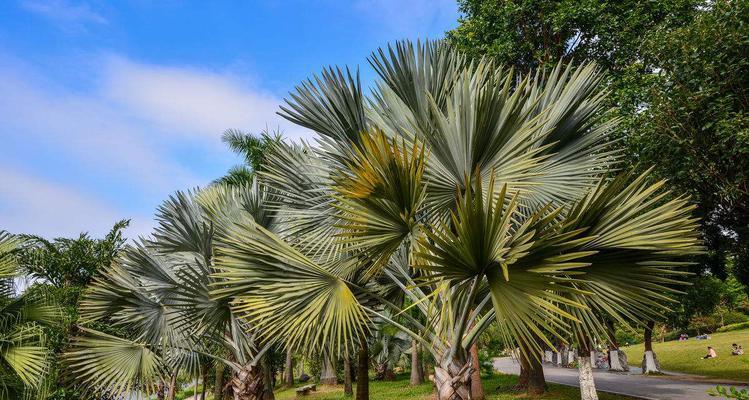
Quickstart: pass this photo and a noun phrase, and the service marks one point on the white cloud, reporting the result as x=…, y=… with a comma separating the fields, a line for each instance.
x=192, y=101
x=136, y=133
x=95, y=134
x=29, y=204
x=64, y=13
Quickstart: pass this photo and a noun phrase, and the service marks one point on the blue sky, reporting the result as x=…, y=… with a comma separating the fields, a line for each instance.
x=107, y=107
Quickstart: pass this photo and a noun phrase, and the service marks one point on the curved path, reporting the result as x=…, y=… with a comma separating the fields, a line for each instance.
x=644, y=387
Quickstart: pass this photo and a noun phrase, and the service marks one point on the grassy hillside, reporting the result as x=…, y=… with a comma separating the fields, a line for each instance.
x=401, y=390
x=687, y=356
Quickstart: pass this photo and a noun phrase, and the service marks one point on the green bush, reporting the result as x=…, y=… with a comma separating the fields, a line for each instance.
x=183, y=394
x=734, y=317
x=734, y=327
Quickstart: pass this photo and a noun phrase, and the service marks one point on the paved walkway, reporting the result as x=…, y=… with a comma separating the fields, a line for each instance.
x=645, y=387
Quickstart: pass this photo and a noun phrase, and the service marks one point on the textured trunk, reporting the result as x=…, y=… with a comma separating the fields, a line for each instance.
x=650, y=364
x=523, y=377
x=204, y=378
x=531, y=372
x=477, y=389
x=328, y=376
x=269, y=379
x=173, y=385
x=417, y=373
x=288, y=370
x=249, y=384
x=161, y=391
x=347, y=384
x=536, y=379
x=587, y=385
x=617, y=359
x=564, y=357
x=362, y=373
x=218, y=385
x=453, y=380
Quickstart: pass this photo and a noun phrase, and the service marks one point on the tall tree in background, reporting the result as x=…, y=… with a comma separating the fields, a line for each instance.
x=678, y=75
x=529, y=34
x=252, y=148
x=695, y=125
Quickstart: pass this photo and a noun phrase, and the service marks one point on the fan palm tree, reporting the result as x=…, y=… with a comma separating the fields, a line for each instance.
x=497, y=186
x=24, y=358
x=160, y=291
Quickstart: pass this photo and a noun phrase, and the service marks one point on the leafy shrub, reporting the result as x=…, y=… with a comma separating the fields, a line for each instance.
x=729, y=393
x=734, y=327
x=734, y=317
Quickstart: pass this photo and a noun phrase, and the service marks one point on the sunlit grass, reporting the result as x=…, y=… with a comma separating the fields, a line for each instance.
x=686, y=356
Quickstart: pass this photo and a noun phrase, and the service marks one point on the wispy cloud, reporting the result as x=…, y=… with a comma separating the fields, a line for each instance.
x=134, y=134
x=192, y=101
x=29, y=204
x=68, y=15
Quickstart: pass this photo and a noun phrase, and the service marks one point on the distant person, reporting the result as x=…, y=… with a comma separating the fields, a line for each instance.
x=703, y=337
x=736, y=350
x=710, y=353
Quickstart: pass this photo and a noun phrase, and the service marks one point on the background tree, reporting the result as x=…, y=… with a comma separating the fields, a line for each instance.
x=695, y=124
x=253, y=148
x=677, y=72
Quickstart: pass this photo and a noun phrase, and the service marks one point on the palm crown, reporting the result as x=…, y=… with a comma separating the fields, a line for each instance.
x=497, y=187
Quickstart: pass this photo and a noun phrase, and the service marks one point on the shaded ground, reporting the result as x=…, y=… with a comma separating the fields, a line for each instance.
x=646, y=387
x=686, y=357
x=498, y=387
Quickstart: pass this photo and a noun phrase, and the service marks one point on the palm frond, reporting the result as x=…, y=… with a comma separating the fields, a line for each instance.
x=105, y=363
x=285, y=294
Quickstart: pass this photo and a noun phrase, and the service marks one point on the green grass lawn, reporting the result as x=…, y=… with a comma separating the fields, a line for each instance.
x=401, y=390
x=686, y=356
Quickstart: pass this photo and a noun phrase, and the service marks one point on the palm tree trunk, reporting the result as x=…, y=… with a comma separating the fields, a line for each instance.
x=347, y=384
x=269, y=379
x=328, y=371
x=205, y=382
x=417, y=372
x=218, y=385
x=585, y=365
x=249, y=383
x=453, y=379
x=161, y=391
x=650, y=364
x=536, y=379
x=617, y=359
x=362, y=373
x=288, y=371
x=173, y=385
x=531, y=371
x=477, y=388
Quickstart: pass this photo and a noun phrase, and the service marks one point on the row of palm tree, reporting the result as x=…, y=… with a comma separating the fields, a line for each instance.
x=456, y=195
